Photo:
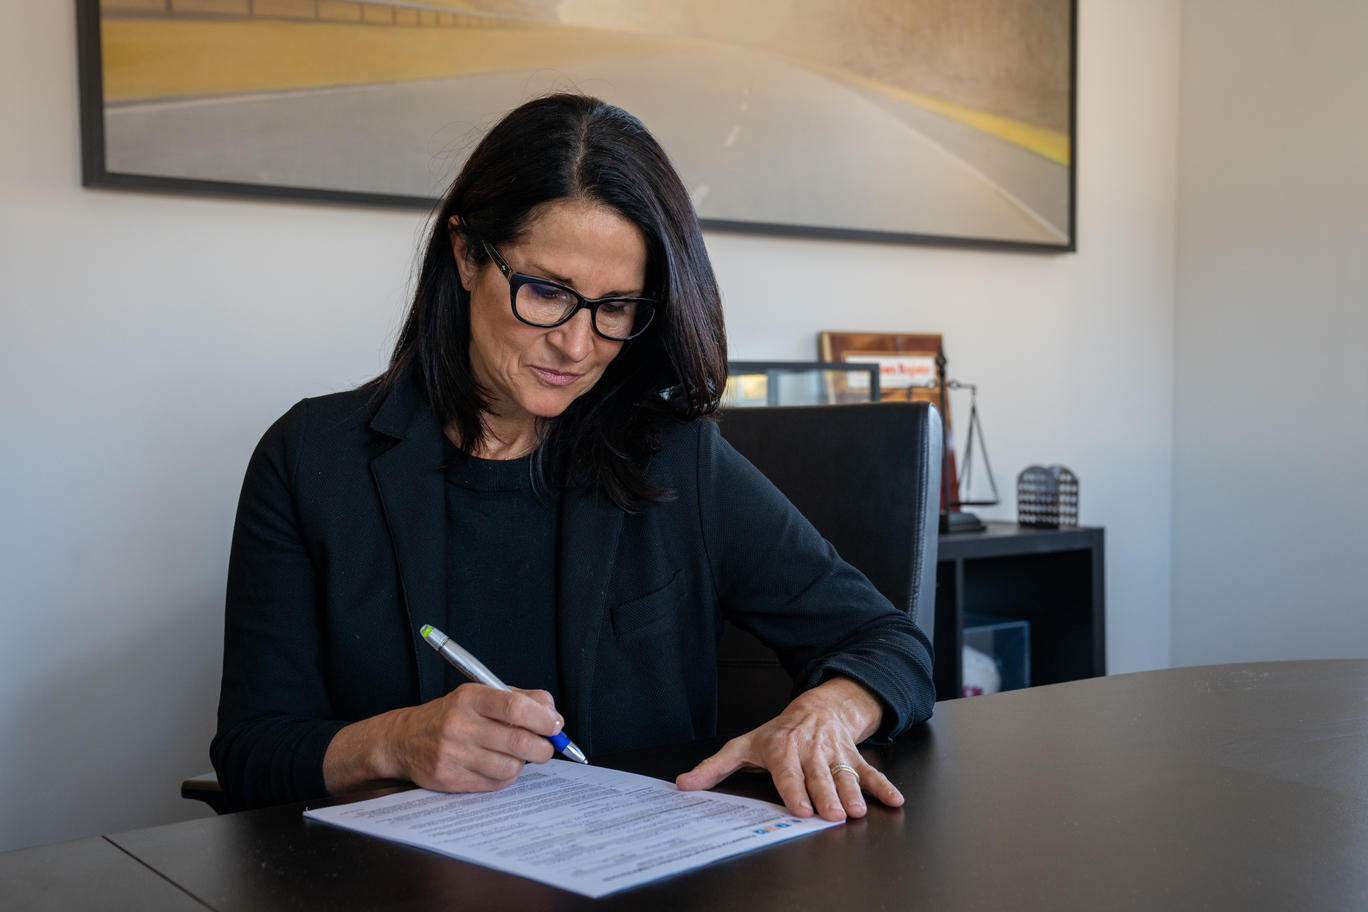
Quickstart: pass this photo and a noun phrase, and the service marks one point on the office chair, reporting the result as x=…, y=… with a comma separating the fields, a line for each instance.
x=868, y=477
x=205, y=788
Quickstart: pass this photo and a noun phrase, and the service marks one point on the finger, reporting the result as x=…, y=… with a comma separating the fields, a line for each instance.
x=540, y=696
x=495, y=767
x=458, y=779
x=877, y=784
x=466, y=762
x=484, y=719
x=518, y=709
x=543, y=698
x=524, y=745
x=791, y=782
x=714, y=769
x=822, y=789
x=847, y=781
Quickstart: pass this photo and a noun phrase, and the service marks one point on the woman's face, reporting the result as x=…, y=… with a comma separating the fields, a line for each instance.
x=530, y=372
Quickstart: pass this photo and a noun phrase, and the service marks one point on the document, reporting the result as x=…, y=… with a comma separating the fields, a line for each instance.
x=589, y=830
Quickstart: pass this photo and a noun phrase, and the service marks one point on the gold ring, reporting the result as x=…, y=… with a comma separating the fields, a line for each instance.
x=845, y=768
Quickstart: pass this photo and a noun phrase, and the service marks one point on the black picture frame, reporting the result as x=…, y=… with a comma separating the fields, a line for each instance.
x=98, y=173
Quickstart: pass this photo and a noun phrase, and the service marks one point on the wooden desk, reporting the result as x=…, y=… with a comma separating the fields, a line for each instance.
x=1232, y=787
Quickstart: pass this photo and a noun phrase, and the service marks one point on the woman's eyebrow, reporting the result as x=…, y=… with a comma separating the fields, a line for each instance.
x=542, y=272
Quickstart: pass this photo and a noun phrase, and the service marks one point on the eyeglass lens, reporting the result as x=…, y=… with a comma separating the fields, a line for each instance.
x=546, y=304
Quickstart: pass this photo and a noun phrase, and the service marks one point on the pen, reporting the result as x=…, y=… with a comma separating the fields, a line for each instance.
x=474, y=669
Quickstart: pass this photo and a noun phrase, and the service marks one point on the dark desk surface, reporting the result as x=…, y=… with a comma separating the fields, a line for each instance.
x=1234, y=787
x=85, y=874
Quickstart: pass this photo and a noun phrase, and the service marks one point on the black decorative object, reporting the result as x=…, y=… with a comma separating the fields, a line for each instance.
x=1047, y=497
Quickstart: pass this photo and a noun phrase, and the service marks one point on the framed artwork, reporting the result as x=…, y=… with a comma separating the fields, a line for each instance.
x=907, y=364
x=925, y=121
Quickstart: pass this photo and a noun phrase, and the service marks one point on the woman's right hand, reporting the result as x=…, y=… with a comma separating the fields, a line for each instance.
x=474, y=739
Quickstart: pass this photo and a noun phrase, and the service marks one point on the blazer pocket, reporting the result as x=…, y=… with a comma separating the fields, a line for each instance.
x=655, y=609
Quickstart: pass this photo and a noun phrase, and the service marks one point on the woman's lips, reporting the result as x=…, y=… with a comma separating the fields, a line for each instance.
x=553, y=377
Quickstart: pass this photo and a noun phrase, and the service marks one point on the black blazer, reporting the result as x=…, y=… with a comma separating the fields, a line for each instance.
x=338, y=558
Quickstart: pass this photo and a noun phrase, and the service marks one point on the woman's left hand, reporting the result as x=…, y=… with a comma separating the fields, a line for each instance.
x=804, y=748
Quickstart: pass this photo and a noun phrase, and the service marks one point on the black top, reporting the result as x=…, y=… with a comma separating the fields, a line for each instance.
x=501, y=570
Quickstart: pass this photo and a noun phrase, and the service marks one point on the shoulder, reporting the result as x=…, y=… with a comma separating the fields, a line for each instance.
x=683, y=444
x=695, y=455
x=692, y=435
x=332, y=414
x=332, y=423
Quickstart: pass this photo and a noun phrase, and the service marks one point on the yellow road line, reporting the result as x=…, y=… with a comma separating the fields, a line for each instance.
x=151, y=58
x=1050, y=144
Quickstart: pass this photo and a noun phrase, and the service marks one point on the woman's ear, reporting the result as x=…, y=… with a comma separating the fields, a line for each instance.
x=460, y=250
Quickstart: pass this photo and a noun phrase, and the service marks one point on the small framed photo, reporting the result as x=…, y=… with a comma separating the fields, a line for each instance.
x=906, y=361
x=907, y=364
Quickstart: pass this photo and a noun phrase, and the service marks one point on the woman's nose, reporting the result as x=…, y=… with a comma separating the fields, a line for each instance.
x=575, y=337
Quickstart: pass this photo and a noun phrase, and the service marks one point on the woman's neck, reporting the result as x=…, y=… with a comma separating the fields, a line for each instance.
x=501, y=440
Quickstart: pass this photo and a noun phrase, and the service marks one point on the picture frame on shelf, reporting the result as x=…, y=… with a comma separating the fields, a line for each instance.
x=907, y=364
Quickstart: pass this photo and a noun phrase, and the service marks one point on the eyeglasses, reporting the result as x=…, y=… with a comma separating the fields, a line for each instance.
x=542, y=302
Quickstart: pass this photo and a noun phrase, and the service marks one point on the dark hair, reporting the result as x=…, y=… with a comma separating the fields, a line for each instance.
x=576, y=147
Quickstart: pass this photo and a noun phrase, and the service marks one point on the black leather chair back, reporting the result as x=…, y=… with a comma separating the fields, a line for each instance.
x=868, y=477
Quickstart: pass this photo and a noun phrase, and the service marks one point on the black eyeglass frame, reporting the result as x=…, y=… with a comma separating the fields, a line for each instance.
x=518, y=279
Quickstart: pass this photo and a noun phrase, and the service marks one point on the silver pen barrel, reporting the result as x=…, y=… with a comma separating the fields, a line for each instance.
x=472, y=667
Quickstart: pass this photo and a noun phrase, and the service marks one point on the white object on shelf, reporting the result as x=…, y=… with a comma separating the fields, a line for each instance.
x=979, y=673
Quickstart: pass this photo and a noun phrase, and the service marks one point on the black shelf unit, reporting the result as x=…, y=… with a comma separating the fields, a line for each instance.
x=1052, y=578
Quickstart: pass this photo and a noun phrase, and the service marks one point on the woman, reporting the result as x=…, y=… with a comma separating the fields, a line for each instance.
x=531, y=475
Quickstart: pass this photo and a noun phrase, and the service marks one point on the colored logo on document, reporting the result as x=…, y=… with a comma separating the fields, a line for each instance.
x=771, y=828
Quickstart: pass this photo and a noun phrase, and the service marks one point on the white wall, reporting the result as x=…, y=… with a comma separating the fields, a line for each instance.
x=1270, y=549
x=146, y=341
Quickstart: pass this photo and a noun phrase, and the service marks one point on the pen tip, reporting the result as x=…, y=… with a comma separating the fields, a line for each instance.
x=427, y=628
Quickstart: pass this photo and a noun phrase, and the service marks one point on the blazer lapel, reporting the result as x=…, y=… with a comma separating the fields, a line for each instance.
x=410, y=481
x=589, y=529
